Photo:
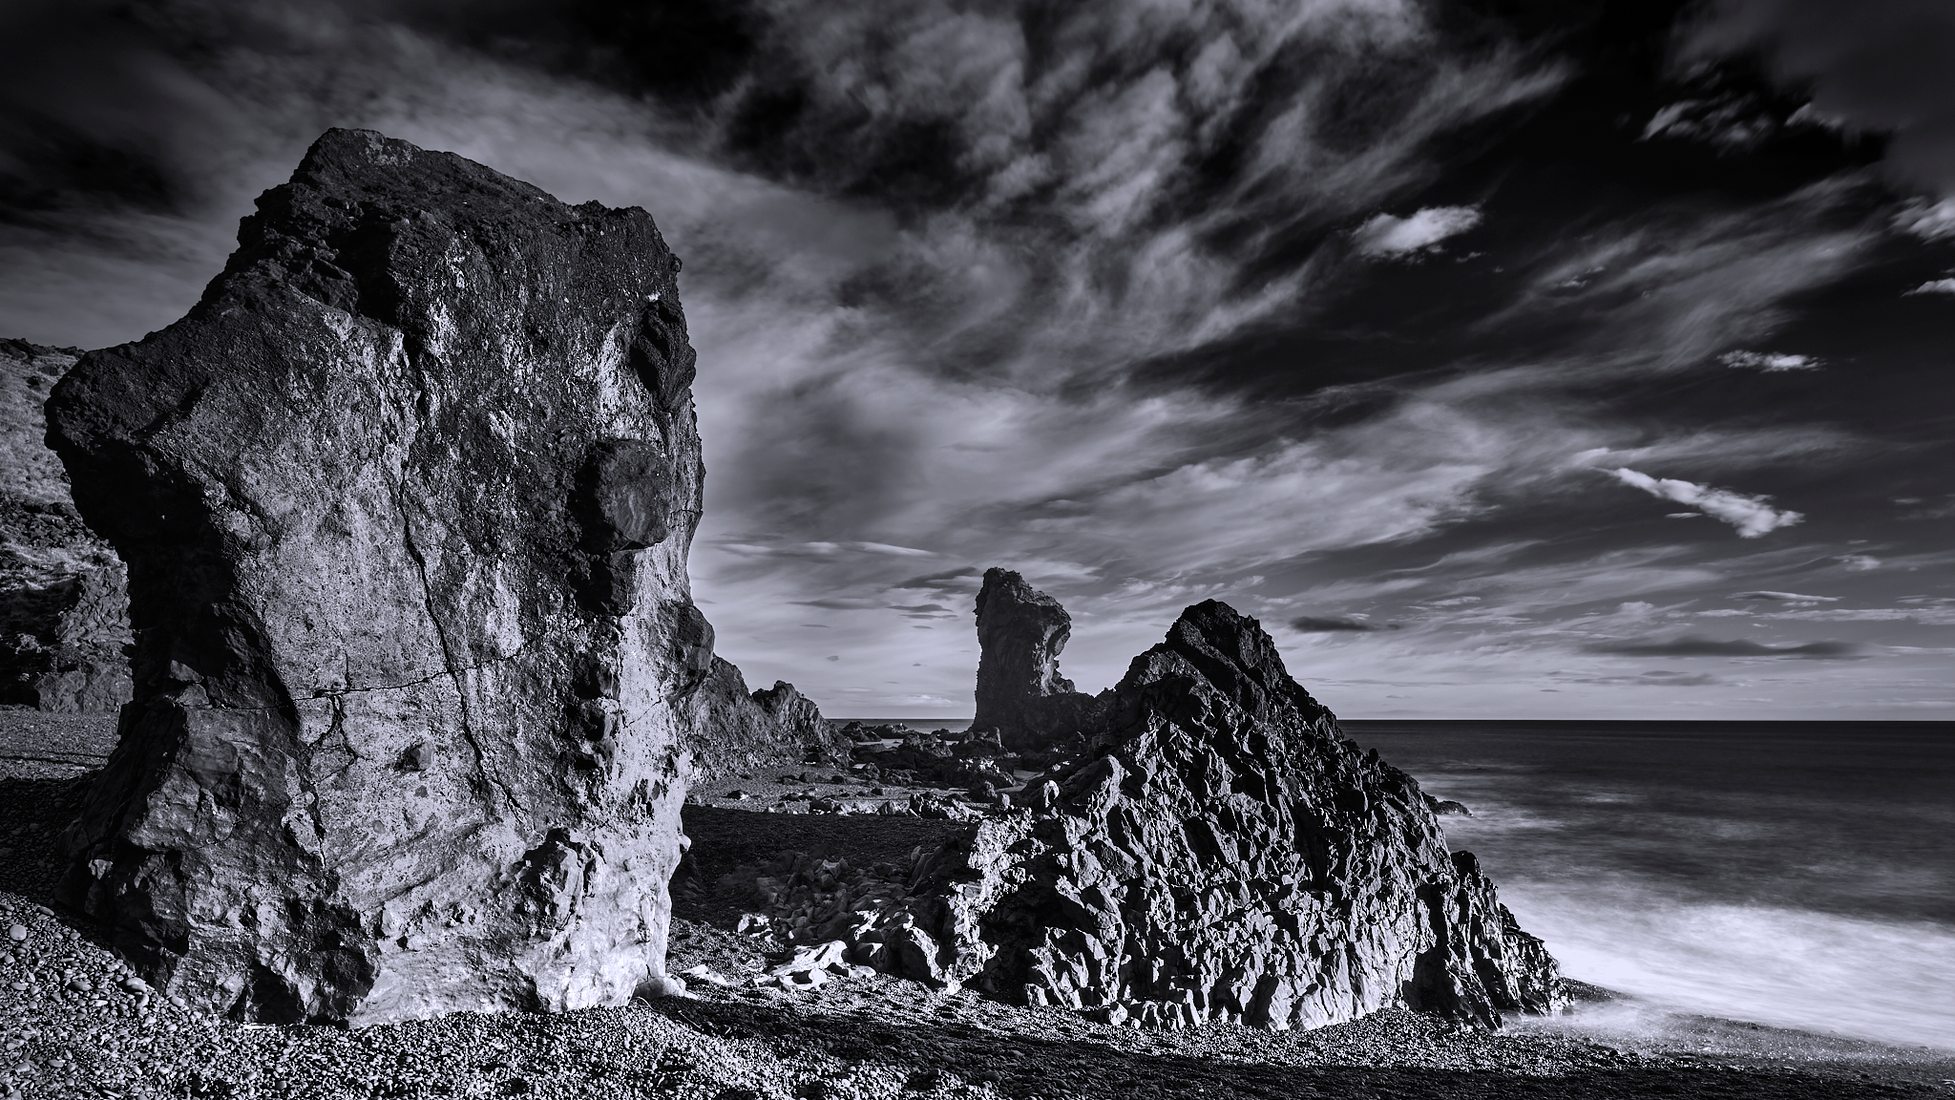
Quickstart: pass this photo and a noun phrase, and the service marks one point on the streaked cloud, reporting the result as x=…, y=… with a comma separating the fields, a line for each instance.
x=1753, y=516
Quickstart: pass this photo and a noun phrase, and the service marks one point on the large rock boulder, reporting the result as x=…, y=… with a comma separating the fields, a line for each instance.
x=64, y=623
x=1222, y=853
x=1020, y=692
x=406, y=500
x=735, y=730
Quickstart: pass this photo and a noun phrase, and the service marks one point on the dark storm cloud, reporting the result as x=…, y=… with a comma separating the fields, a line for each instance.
x=1691, y=645
x=924, y=611
x=91, y=115
x=1882, y=65
x=1334, y=624
x=1659, y=678
x=1335, y=305
x=950, y=580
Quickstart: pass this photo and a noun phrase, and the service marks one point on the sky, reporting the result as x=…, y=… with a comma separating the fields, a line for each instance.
x=1504, y=358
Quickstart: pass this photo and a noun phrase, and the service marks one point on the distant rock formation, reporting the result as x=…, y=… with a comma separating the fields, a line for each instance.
x=1020, y=693
x=1222, y=853
x=736, y=730
x=406, y=500
x=64, y=622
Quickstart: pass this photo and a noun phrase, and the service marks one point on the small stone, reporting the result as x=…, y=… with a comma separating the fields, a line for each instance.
x=17, y=933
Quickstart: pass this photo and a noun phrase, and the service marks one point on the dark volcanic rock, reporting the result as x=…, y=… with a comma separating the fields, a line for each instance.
x=406, y=501
x=735, y=730
x=64, y=623
x=1223, y=852
x=1020, y=693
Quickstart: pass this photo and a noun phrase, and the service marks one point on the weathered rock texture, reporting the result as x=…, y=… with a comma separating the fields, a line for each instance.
x=1222, y=853
x=64, y=623
x=1020, y=693
x=735, y=730
x=406, y=500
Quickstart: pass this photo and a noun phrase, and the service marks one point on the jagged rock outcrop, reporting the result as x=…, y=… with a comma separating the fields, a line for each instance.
x=1222, y=853
x=64, y=624
x=406, y=500
x=735, y=730
x=1020, y=693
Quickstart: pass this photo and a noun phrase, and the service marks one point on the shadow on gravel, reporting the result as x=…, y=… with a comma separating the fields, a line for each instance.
x=34, y=813
x=725, y=839
x=1020, y=1066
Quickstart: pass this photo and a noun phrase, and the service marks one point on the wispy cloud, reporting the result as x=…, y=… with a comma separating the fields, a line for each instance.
x=1753, y=516
x=1784, y=597
x=1731, y=121
x=1934, y=286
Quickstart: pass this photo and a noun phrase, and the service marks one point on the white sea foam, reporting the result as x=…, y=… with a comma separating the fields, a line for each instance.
x=1884, y=980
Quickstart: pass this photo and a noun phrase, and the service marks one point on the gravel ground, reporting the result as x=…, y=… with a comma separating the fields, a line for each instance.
x=75, y=1023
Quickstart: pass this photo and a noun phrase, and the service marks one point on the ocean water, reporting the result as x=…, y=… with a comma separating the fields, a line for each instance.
x=1799, y=874
x=1795, y=874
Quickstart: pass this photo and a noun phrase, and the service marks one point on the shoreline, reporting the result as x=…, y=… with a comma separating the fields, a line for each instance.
x=75, y=1022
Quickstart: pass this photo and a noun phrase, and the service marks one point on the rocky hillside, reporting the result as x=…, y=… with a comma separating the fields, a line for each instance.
x=735, y=729
x=1221, y=852
x=64, y=626
x=406, y=501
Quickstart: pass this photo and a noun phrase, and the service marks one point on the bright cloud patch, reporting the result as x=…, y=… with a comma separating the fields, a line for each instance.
x=1387, y=236
x=1768, y=362
x=1934, y=286
x=1751, y=515
x=1928, y=221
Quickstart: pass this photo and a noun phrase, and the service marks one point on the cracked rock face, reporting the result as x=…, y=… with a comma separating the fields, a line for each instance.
x=1020, y=693
x=1222, y=853
x=64, y=623
x=406, y=501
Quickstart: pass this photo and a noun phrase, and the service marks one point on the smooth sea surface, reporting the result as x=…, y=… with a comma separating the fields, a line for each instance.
x=1799, y=874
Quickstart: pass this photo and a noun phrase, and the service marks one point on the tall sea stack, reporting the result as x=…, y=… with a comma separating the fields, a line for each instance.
x=406, y=500
x=1020, y=693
